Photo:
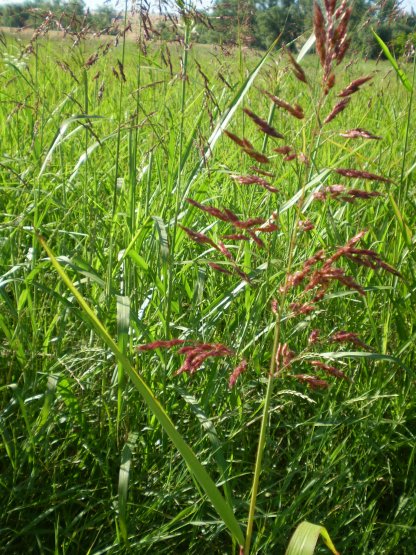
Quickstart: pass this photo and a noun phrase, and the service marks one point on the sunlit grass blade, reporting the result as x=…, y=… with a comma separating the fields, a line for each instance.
x=401, y=74
x=123, y=324
x=305, y=538
x=60, y=134
x=123, y=483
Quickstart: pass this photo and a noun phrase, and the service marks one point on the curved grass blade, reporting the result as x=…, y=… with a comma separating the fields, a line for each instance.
x=194, y=466
x=400, y=73
x=305, y=538
x=306, y=47
x=85, y=155
x=60, y=134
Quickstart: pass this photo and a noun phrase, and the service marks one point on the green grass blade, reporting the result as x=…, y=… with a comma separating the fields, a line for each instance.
x=305, y=537
x=60, y=134
x=361, y=354
x=123, y=483
x=306, y=47
x=163, y=238
x=123, y=325
x=400, y=73
x=195, y=467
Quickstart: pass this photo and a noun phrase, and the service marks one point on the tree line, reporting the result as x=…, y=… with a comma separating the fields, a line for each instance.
x=258, y=23
x=241, y=22
x=69, y=13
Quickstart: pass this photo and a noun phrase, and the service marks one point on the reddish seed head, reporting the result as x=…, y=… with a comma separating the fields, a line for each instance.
x=319, y=29
x=268, y=227
x=219, y=268
x=305, y=225
x=337, y=109
x=284, y=357
x=295, y=110
x=254, y=180
x=297, y=69
x=348, y=337
x=161, y=344
x=225, y=251
x=354, y=86
x=287, y=355
x=283, y=149
x=261, y=171
x=252, y=222
x=238, y=370
x=311, y=381
x=257, y=156
x=358, y=193
x=331, y=370
x=299, y=308
x=256, y=239
x=348, y=172
x=314, y=337
x=235, y=139
x=359, y=133
x=208, y=209
x=263, y=125
x=199, y=237
x=230, y=216
x=197, y=354
x=290, y=157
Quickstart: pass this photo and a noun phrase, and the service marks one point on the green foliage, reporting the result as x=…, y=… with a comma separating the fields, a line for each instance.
x=232, y=22
x=259, y=23
x=70, y=13
x=289, y=18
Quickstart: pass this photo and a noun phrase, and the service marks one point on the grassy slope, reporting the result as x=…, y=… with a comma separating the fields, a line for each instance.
x=343, y=457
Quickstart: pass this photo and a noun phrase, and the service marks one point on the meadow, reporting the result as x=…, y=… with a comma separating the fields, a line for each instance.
x=103, y=258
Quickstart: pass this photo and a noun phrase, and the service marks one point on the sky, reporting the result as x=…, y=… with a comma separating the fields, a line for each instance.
x=407, y=4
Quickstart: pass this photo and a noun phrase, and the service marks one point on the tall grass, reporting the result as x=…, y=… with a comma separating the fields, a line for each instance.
x=86, y=466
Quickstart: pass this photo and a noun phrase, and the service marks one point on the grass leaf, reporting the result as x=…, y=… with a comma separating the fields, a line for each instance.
x=305, y=537
x=400, y=73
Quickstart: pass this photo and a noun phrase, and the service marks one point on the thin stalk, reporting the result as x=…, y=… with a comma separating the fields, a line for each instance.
x=114, y=206
x=178, y=188
x=273, y=363
x=268, y=397
x=84, y=192
x=130, y=275
x=403, y=194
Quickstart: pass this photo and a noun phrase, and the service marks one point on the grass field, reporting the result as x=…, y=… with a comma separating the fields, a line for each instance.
x=100, y=168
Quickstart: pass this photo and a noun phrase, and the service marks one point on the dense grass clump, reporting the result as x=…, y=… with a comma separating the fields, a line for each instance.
x=115, y=164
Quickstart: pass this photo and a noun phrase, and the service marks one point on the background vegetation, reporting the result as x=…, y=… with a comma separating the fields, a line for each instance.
x=234, y=22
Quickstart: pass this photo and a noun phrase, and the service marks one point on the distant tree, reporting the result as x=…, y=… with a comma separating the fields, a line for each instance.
x=289, y=18
x=71, y=13
x=386, y=18
x=233, y=22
